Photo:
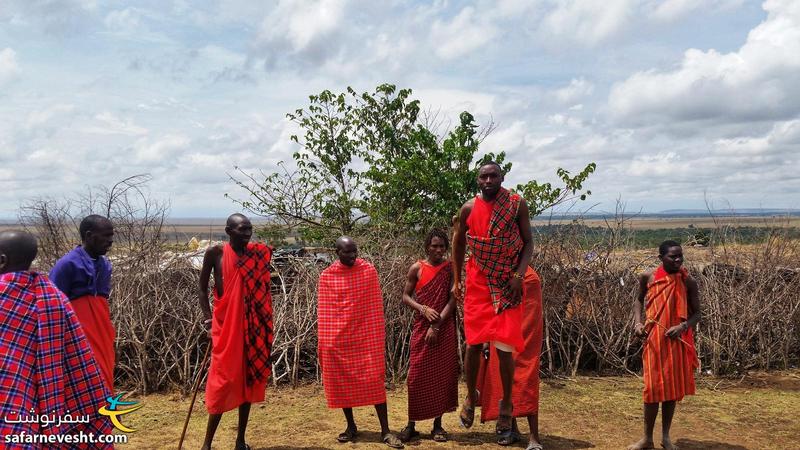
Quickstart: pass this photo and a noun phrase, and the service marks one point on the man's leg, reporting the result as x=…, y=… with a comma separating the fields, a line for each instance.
x=211, y=428
x=650, y=414
x=472, y=362
x=386, y=434
x=533, y=424
x=506, y=360
x=348, y=415
x=383, y=417
x=244, y=416
x=667, y=411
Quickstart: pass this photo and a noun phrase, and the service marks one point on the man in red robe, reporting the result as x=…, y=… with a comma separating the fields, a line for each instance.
x=526, y=370
x=351, y=339
x=84, y=276
x=241, y=325
x=47, y=364
x=672, y=307
x=496, y=227
x=433, y=367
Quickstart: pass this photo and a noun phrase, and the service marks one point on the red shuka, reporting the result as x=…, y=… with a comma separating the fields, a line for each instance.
x=352, y=335
x=433, y=369
x=525, y=394
x=231, y=381
x=95, y=318
x=668, y=364
x=481, y=321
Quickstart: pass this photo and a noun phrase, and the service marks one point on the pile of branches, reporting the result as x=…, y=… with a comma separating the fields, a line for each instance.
x=751, y=299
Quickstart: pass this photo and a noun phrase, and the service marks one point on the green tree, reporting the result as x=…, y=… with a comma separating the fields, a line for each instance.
x=369, y=160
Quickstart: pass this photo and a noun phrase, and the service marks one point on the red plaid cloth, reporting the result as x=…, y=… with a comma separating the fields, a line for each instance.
x=351, y=335
x=668, y=364
x=47, y=366
x=498, y=253
x=253, y=266
x=433, y=369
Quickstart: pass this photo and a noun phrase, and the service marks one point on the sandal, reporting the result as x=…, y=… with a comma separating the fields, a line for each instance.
x=504, y=422
x=408, y=433
x=392, y=441
x=509, y=437
x=534, y=446
x=349, y=435
x=439, y=435
x=468, y=419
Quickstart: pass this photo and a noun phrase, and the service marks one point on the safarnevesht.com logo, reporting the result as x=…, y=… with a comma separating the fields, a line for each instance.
x=49, y=423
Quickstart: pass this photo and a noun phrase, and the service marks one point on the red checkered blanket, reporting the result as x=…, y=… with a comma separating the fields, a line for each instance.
x=498, y=253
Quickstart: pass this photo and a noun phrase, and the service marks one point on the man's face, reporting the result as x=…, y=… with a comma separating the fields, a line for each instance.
x=673, y=259
x=240, y=231
x=436, y=250
x=490, y=179
x=347, y=253
x=99, y=240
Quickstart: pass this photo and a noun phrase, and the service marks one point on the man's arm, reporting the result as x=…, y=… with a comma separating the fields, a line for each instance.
x=61, y=275
x=209, y=260
x=638, y=305
x=460, y=249
x=524, y=225
x=693, y=292
x=408, y=295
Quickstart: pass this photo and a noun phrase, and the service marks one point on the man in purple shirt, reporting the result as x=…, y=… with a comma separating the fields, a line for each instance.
x=84, y=276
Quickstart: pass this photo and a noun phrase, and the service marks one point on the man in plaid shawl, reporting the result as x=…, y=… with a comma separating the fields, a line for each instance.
x=351, y=339
x=496, y=227
x=241, y=325
x=46, y=364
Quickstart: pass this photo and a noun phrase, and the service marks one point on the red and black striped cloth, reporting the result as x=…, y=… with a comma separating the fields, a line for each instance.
x=498, y=254
x=253, y=266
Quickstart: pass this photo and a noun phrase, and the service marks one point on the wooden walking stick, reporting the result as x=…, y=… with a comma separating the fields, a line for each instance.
x=194, y=395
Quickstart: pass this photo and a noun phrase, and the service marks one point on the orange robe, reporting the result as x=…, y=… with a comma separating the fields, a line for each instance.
x=227, y=386
x=525, y=394
x=668, y=364
x=482, y=322
x=95, y=318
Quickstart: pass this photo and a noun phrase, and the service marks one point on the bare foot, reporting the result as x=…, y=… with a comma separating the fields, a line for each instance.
x=643, y=444
x=666, y=442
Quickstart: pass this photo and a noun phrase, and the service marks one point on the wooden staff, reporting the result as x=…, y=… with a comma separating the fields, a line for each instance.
x=194, y=394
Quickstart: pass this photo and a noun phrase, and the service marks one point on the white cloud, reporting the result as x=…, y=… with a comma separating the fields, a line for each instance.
x=577, y=89
x=654, y=165
x=9, y=68
x=465, y=33
x=757, y=82
x=164, y=148
x=586, y=23
x=108, y=123
x=671, y=10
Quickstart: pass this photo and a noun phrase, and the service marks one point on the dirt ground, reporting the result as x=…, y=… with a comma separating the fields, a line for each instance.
x=756, y=412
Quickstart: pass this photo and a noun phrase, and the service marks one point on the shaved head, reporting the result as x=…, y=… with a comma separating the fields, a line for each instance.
x=344, y=241
x=17, y=251
x=235, y=219
x=346, y=250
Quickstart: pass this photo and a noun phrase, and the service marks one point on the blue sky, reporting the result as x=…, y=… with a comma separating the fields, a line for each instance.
x=678, y=102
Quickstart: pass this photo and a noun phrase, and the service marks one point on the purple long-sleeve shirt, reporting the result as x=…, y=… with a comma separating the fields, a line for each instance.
x=76, y=274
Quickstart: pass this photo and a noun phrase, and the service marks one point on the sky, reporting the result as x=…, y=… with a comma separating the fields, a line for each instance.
x=681, y=103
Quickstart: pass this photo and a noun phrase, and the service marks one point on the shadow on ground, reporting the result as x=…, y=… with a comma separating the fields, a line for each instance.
x=690, y=444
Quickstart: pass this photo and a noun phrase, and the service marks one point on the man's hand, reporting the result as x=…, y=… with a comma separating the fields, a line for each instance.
x=432, y=336
x=430, y=314
x=457, y=291
x=515, y=289
x=676, y=331
x=639, y=330
x=207, y=326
